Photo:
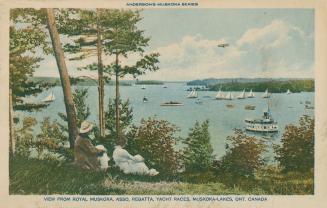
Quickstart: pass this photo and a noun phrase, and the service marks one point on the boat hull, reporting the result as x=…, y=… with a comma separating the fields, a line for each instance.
x=166, y=104
x=263, y=128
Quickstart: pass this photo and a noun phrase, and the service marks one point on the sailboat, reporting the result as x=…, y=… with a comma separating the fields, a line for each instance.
x=229, y=96
x=220, y=95
x=266, y=94
x=49, y=98
x=193, y=94
x=288, y=92
x=143, y=87
x=242, y=95
x=251, y=94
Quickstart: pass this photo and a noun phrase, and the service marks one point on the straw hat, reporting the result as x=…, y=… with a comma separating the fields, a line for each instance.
x=86, y=126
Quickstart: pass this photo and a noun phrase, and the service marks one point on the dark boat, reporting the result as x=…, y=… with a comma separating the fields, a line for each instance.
x=171, y=103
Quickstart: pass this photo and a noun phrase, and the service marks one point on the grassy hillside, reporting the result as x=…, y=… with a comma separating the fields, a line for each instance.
x=52, y=177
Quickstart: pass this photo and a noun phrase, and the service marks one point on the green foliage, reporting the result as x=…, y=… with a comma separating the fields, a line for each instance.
x=198, y=152
x=155, y=140
x=242, y=159
x=51, y=142
x=81, y=26
x=27, y=35
x=273, y=86
x=24, y=136
x=126, y=116
x=82, y=110
x=296, y=152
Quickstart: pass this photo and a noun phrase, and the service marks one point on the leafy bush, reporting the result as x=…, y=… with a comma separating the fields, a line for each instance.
x=24, y=136
x=243, y=157
x=197, y=155
x=52, y=143
x=296, y=153
x=155, y=140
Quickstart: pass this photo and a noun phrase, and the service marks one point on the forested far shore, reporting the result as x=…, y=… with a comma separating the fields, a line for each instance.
x=149, y=82
x=306, y=85
x=88, y=81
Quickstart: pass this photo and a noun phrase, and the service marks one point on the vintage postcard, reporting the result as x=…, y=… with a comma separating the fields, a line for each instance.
x=163, y=103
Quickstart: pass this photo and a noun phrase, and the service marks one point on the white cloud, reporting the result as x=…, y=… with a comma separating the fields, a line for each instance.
x=278, y=49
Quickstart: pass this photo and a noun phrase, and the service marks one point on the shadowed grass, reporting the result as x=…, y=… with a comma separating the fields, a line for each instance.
x=32, y=176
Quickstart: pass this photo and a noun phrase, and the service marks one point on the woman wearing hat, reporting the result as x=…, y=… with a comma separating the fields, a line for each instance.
x=85, y=152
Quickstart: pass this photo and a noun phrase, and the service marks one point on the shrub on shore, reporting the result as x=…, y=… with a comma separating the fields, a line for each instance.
x=155, y=140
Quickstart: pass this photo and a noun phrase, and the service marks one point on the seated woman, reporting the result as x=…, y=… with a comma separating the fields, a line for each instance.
x=86, y=155
x=130, y=164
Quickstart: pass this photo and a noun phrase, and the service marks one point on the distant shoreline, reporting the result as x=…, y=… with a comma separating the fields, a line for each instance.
x=257, y=85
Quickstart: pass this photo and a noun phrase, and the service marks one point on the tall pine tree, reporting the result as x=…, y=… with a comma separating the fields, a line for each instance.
x=198, y=154
x=124, y=38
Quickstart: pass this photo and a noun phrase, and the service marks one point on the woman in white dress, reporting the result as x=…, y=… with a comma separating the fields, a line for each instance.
x=130, y=164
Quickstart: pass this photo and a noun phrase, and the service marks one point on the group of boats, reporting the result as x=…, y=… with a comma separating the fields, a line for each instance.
x=265, y=124
x=229, y=96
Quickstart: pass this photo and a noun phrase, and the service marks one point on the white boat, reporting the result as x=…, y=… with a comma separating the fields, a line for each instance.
x=251, y=94
x=193, y=94
x=242, y=95
x=288, y=92
x=220, y=95
x=266, y=94
x=50, y=98
x=265, y=124
x=143, y=87
x=229, y=96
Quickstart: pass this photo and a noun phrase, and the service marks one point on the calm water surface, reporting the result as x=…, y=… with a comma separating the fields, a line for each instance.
x=285, y=109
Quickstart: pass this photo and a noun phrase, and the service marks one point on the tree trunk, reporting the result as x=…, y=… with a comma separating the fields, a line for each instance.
x=100, y=79
x=12, y=142
x=64, y=77
x=118, y=135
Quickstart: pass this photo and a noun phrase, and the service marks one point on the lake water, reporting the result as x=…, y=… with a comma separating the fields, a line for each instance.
x=285, y=109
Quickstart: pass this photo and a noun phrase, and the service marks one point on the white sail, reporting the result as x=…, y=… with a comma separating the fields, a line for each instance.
x=49, y=98
x=229, y=96
x=143, y=87
x=193, y=94
x=266, y=94
x=251, y=94
x=288, y=92
x=220, y=95
x=242, y=95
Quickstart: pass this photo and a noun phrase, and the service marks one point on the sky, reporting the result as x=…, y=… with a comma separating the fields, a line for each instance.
x=262, y=43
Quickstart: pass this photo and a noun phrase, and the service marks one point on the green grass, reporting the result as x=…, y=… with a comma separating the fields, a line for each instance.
x=32, y=176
